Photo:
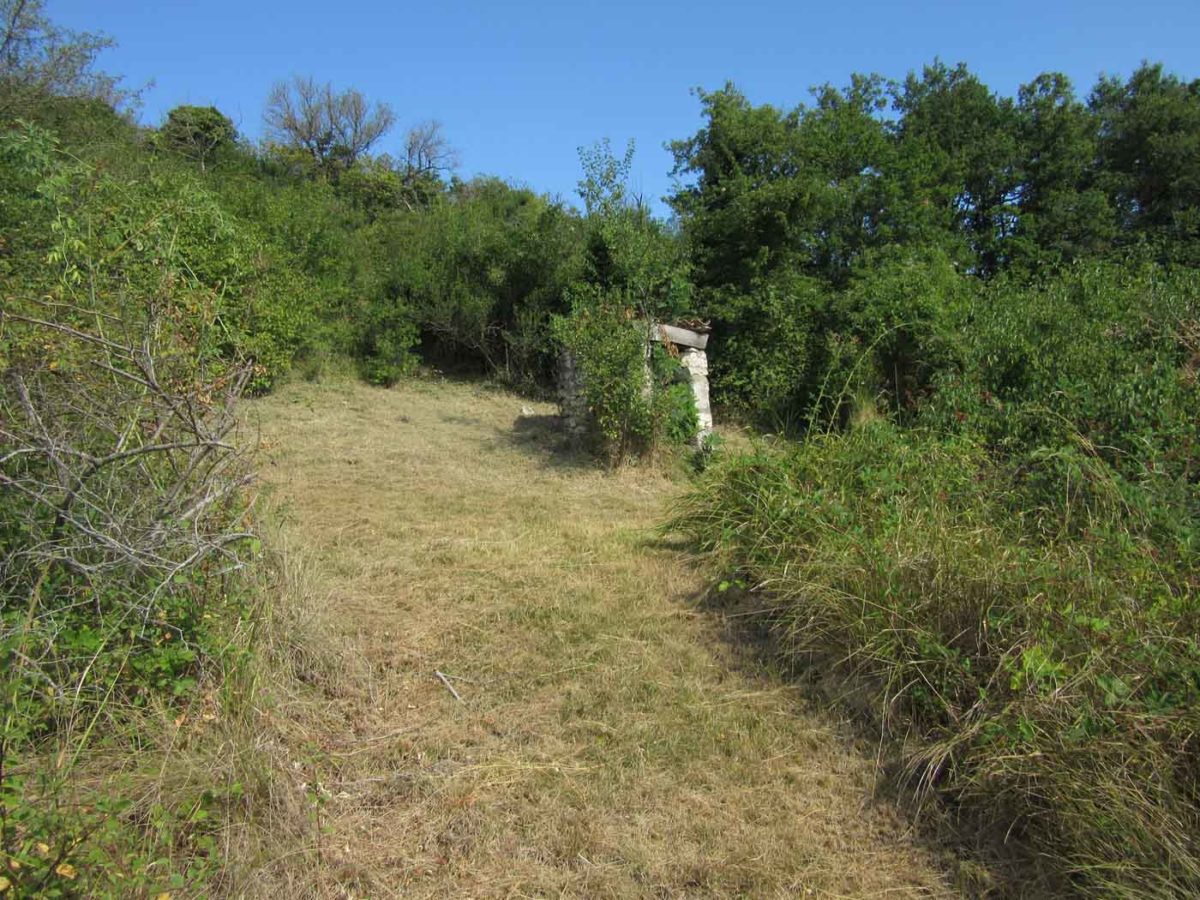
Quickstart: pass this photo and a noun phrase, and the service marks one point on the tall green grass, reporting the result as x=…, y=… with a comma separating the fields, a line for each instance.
x=1024, y=623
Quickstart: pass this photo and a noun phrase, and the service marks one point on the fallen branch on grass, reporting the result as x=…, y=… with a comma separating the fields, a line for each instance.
x=446, y=681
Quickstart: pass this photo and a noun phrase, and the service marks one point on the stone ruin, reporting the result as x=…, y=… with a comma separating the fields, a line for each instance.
x=688, y=344
x=572, y=404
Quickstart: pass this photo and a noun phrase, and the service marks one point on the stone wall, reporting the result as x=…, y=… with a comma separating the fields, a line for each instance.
x=690, y=345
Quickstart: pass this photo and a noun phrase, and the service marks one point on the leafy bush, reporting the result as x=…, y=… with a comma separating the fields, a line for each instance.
x=768, y=355
x=480, y=273
x=122, y=515
x=609, y=348
x=1103, y=357
x=793, y=352
x=898, y=326
x=681, y=418
x=297, y=272
x=1013, y=575
x=387, y=336
x=638, y=395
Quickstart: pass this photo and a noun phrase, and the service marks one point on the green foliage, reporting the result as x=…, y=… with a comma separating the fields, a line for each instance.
x=632, y=276
x=479, y=274
x=627, y=252
x=1064, y=215
x=197, y=133
x=604, y=187
x=960, y=156
x=1009, y=563
x=990, y=520
x=893, y=331
x=681, y=418
x=386, y=338
x=638, y=395
x=839, y=190
x=121, y=533
x=88, y=849
x=770, y=358
x=1149, y=158
x=1101, y=359
x=609, y=349
x=60, y=335
x=1045, y=673
x=1013, y=574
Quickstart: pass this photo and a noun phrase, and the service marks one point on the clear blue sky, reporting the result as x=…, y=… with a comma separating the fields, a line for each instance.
x=520, y=85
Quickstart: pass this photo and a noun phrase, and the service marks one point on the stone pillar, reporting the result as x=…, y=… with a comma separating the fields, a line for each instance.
x=572, y=403
x=695, y=361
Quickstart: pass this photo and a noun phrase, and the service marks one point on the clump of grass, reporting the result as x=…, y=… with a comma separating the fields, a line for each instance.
x=197, y=794
x=1035, y=662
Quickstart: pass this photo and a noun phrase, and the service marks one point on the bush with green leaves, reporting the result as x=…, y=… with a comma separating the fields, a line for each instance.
x=867, y=179
x=638, y=395
x=609, y=348
x=1009, y=562
x=770, y=354
x=479, y=274
x=681, y=419
x=892, y=331
x=1103, y=356
x=303, y=269
x=122, y=514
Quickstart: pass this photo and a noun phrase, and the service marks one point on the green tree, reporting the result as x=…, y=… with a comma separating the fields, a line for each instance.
x=39, y=59
x=630, y=256
x=847, y=158
x=960, y=156
x=1063, y=213
x=198, y=133
x=810, y=190
x=1149, y=152
x=736, y=209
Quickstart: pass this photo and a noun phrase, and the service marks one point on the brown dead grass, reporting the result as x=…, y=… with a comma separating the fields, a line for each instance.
x=609, y=742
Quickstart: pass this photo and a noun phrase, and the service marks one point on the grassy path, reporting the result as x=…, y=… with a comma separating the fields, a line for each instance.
x=609, y=742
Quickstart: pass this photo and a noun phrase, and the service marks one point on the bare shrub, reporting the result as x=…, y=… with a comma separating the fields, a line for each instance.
x=123, y=519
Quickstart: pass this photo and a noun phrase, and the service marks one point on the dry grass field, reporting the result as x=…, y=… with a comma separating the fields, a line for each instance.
x=608, y=739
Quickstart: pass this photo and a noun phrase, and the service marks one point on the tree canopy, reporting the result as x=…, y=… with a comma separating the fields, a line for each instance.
x=40, y=60
x=334, y=127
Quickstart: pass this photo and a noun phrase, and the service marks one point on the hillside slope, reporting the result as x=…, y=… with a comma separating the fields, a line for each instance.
x=609, y=741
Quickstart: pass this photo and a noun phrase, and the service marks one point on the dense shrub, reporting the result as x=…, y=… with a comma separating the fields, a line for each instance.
x=1010, y=564
x=768, y=352
x=609, y=349
x=122, y=528
x=479, y=273
x=1104, y=356
x=681, y=418
x=637, y=394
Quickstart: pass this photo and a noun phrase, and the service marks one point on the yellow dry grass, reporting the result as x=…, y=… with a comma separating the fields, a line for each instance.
x=609, y=741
